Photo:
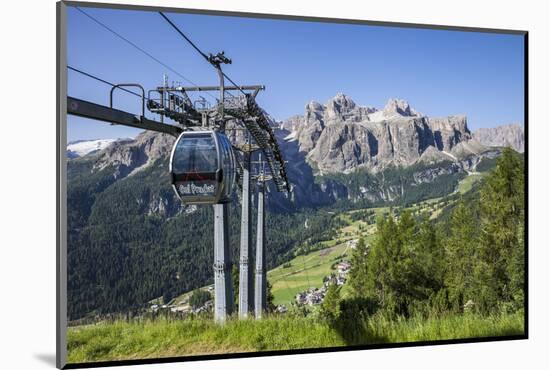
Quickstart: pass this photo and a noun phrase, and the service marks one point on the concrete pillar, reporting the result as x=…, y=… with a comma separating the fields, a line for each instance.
x=223, y=288
x=261, y=278
x=246, y=292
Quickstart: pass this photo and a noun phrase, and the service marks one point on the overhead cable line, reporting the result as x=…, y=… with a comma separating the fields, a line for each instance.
x=208, y=58
x=140, y=49
x=185, y=37
x=104, y=81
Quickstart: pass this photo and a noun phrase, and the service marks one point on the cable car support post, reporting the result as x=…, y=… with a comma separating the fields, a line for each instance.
x=223, y=287
x=246, y=279
x=260, y=288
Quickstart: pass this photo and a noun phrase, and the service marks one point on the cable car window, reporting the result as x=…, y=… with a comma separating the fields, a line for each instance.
x=196, y=154
x=203, y=167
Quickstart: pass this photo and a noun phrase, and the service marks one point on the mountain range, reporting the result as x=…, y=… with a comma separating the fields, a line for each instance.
x=341, y=135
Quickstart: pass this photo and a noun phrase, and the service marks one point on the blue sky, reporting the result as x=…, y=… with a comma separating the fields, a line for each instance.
x=439, y=72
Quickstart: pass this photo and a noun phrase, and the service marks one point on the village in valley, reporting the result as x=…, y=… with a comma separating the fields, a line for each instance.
x=314, y=296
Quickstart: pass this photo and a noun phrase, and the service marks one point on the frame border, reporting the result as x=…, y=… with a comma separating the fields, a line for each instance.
x=61, y=188
x=292, y=17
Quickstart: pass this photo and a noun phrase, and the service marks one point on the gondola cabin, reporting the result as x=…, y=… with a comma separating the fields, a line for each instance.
x=202, y=166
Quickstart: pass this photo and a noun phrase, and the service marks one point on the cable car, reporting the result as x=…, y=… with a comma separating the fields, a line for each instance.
x=202, y=167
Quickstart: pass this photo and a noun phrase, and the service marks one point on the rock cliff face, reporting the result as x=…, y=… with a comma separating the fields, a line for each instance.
x=128, y=156
x=511, y=135
x=341, y=135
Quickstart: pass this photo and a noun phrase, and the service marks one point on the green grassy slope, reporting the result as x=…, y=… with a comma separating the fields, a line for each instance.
x=468, y=182
x=168, y=338
x=304, y=272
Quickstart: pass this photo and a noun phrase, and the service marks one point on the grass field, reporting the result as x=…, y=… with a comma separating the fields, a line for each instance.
x=167, y=338
x=466, y=183
x=305, y=271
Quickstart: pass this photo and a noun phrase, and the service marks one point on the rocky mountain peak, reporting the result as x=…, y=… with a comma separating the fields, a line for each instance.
x=399, y=107
x=130, y=155
x=342, y=135
x=314, y=106
x=341, y=103
x=339, y=106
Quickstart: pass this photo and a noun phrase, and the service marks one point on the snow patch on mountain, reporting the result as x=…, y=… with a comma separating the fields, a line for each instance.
x=80, y=148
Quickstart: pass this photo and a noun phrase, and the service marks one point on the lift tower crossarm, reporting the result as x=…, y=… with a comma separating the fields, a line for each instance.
x=82, y=108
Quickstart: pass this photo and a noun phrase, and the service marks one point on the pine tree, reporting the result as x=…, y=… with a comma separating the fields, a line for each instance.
x=358, y=271
x=501, y=219
x=461, y=247
x=382, y=265
x=270, y=298
x=405, y=266
x=516, y=269
x=331, y=303
x=427, y=278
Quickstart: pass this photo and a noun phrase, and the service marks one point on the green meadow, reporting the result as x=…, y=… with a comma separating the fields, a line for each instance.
x=139, y=339
x=303, y=272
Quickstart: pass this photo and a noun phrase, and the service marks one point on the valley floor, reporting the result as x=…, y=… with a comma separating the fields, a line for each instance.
x=123, y=340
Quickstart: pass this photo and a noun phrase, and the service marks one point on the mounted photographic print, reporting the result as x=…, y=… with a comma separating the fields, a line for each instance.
x=235, y=184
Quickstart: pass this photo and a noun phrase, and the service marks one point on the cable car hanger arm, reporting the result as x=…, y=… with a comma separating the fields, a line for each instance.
x=86, y=109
